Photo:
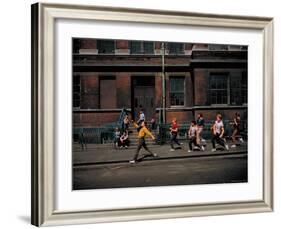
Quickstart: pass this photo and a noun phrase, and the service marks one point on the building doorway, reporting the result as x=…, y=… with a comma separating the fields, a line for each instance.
x=143, y=96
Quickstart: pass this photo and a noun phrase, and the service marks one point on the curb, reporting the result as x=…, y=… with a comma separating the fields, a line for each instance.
x=242, y=153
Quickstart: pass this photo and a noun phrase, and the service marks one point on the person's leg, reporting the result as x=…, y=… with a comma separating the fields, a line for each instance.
x=172, y=141
x=195, y=142
x=234, y=135
x=214, y=141
x=198, y=140
x=140, y=143
x=190, y=144
x=220, y=141
x=145, y=147
x=176, y=140
x=148, y=150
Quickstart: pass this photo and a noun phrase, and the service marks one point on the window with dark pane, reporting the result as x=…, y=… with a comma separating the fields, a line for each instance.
x=175, y=48
x=235, y=90
x=142, y=47
x=244, y=87
x=106, y=46
x=76, y=88
x=219, y=88
x=148, y=47
x=177, y=91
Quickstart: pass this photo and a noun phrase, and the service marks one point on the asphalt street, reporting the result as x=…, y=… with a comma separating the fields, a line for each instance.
x=177, y=171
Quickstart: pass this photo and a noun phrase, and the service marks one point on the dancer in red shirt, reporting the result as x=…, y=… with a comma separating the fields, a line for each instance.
x=174, y=134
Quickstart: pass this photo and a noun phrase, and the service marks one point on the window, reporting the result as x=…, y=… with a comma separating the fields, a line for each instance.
x=228, y=89
x=244, y=88
x=142, y=47
x=106, y=46
x=76, y=91
x=107, y=92
x=219, y=89
x=235, y=90
x=175, y=48
x=177, y=91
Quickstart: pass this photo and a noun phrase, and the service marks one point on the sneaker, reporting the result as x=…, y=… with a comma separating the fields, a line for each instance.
x=202, y=148
x=132, y=162
x=189, y=151
x=126, y=147
x=172, y=149
x=241, y=140
x=214, y=150
x=233, y=146
x=154, y=155
x=226, y=146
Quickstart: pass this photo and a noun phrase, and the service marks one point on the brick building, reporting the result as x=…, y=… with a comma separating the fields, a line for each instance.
x=109, y=75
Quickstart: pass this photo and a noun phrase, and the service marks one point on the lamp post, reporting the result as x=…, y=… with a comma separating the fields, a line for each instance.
x=163, y=84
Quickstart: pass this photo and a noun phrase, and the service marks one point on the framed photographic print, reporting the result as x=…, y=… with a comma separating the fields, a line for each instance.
x=143, y=114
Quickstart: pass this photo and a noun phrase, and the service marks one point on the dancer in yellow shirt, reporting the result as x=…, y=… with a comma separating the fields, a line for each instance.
x=142, y=132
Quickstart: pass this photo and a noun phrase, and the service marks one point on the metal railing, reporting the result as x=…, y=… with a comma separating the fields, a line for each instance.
x=105, y=134
x=122, y=115
x=98, y=135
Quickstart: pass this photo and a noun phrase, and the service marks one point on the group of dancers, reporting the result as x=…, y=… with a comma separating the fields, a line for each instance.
x=194, y=134
x=217, y=129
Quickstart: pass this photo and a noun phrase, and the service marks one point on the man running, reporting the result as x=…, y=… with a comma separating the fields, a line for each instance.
x=200, y=126
x=218, y=132
x=142, y=132
x=236, y=129
x=193, y=134
x=174, y=134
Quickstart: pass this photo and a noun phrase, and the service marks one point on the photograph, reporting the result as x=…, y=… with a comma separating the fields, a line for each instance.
x=158, y=113
x=148, y=114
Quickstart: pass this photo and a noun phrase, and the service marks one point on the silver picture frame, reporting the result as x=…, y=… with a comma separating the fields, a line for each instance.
x=43, y=110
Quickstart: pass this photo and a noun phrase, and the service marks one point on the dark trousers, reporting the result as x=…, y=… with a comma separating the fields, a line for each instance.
x=194, y=141
x=174, y=140
x=216, y=139
x=141, y=144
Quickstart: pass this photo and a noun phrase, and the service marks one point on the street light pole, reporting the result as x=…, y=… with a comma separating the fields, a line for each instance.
x=163, y=83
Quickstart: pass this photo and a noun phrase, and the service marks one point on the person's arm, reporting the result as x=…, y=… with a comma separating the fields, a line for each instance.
x=197, y=134
x=189, y=132
x=149, y=133
x=222, y=132
x=235, y=122
x=214, y=129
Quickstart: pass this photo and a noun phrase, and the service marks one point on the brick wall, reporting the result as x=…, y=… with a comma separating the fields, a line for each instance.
x=89, y=91
x=200, y=87
x=90, y=119
x=122, y=44
x=158, y=90
x=123, y=84
x=182, y=116
x=188, y=90
x=88, y=44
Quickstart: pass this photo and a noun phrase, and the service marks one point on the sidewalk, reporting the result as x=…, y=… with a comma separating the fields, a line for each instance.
x=106, y=154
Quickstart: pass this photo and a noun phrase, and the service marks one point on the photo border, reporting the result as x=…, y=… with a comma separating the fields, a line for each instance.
x=43, y=112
